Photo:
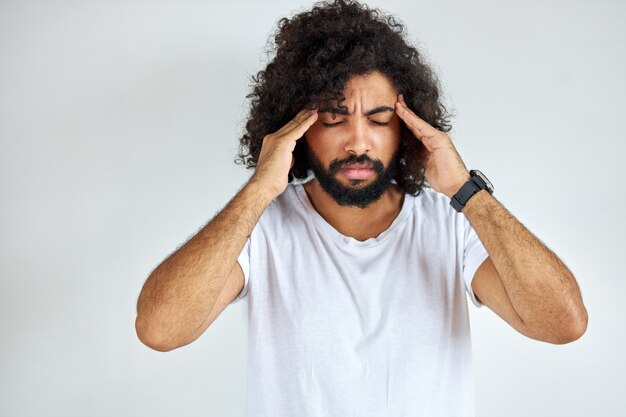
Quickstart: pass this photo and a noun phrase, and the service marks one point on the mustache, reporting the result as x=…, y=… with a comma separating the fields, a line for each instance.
x=337, y=164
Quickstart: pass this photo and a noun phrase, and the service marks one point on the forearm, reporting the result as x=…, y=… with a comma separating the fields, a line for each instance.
x=540, y=287
x=179, y=294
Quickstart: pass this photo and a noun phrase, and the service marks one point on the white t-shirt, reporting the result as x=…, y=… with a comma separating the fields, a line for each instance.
x=340, y=327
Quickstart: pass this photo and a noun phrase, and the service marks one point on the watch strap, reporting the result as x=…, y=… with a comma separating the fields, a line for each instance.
x=466, y=192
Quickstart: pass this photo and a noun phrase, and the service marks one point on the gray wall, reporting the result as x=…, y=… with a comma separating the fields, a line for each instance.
x=118, y=127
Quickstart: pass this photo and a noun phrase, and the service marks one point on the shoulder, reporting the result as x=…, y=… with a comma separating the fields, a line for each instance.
x=287, y=201
x=433, y=208
x=429, y=200
x=284, y=208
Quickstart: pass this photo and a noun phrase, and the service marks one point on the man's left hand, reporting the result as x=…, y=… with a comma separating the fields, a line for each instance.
x=444, y=168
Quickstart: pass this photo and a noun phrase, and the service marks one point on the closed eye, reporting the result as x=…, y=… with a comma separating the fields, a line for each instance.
x=372, y=121
x=332, y=124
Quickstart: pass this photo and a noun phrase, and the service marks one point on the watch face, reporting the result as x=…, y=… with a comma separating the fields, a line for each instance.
x=482, y=177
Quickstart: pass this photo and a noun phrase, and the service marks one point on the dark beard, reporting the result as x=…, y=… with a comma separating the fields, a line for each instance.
x=354, y=196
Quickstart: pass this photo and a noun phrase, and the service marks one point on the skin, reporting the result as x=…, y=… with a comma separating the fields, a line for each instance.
x=358, y=133
x=188, y=290
x=522, y=280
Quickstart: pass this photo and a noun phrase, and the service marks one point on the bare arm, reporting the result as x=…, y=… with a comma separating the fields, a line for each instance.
x=523, y=281
x=175, y=303
x=177, y=297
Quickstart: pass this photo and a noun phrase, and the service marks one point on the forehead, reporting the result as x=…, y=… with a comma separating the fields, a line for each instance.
x=372, y=86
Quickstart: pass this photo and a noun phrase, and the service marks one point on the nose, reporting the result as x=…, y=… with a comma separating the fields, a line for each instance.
x=358, y=142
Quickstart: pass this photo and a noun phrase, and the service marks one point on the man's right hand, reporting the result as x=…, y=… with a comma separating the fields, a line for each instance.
x=276, y=156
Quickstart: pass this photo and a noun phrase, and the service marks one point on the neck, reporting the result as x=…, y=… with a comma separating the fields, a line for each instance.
x=358, y=223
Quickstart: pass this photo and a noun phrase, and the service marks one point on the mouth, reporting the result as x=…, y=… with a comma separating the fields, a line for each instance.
x=357, y=171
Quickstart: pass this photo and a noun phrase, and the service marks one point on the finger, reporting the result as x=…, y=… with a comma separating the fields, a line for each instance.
x=423, y=131
x=298, y=131
x=296, y=123
x=417, y=125
x=298, y=118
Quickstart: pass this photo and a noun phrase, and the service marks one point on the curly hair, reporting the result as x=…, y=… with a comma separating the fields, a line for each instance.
x=316, y=52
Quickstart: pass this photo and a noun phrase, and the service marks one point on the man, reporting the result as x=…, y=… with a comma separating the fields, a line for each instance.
x=356, y=279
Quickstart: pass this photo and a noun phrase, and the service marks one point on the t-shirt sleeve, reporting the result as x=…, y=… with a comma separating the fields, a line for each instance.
x=474, y=254
x=244, y=261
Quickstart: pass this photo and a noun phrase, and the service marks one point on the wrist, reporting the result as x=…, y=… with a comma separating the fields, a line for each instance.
x=262, y=190
x=477, y=202
x=477, y=182
x=457, y=185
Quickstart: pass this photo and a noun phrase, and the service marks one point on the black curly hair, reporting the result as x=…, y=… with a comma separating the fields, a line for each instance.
x=316, y=52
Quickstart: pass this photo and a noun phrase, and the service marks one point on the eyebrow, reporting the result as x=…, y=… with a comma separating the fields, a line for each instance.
x=344, y=111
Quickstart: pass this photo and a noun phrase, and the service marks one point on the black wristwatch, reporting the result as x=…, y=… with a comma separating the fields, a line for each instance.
x=472, y=186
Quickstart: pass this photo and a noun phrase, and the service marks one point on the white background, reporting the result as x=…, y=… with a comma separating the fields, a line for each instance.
x=119, y=123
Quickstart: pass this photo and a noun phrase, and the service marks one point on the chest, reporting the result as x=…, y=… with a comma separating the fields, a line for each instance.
x=320, y=294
